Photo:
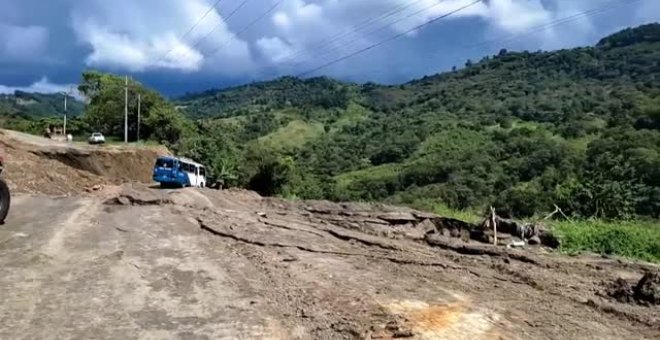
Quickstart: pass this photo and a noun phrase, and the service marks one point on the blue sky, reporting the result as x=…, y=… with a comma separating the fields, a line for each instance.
x=45, y=45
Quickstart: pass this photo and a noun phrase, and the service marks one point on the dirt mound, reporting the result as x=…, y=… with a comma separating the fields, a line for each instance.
x=646, y=291
x=39, y=165
x=137, y=195
x=621, y=291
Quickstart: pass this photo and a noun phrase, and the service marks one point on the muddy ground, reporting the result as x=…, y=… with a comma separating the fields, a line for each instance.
x=139, y=263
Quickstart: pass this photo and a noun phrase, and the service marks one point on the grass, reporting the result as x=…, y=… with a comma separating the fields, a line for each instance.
x=383, y=172
x=353, y=114
x=296, y=133
x=463, y=215
x=441, y=209
x=638, y=239
x=631, y=239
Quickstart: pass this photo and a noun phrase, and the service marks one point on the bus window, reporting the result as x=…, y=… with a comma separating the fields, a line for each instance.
x=202, y=172
x=165, y=163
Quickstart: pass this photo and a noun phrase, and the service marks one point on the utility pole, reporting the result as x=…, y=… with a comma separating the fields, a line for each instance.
x=126, y=112
x=138, y=127
x=65, y=96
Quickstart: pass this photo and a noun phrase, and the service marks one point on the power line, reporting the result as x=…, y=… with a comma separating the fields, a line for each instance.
x=199, y=21
x=386, y=15
x=253, y=22
x=372, y=32
x=554, y=23
x=396, y=36
x=199, y=41
x=364, y=24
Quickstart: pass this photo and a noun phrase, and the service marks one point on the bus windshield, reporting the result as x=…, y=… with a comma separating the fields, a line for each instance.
x=165, y=163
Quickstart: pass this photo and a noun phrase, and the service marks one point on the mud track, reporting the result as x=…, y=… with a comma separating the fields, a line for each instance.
x=135, y=262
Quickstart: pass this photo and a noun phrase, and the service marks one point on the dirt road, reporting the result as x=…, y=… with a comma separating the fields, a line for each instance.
x=139, y=263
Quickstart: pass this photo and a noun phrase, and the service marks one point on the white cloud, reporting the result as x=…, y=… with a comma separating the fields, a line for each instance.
x=121, y=50
x=303, y=25
x=145, y=36
x=275, y=49
x=127, y=34
x=281, y=20
x=43, y=85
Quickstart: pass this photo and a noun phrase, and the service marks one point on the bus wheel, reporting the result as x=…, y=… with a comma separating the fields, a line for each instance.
x=4, y=200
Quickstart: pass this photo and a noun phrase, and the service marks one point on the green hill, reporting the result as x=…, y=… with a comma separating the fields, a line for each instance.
x=38, y=105
x=521, y=130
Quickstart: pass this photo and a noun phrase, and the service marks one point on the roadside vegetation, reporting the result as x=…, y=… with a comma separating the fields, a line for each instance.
x=632, y=239
x=521, y=131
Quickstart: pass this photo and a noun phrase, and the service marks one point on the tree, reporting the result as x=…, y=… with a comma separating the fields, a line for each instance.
x=105, y=111
x=167, y=125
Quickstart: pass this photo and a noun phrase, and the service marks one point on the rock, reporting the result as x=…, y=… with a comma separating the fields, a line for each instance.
x=548, y=239
x=403, y=333
x=322, y=207
x=452, y=223
x=417, y=232
x=517, y=244
x=397, y=217
x=648, y=289
x=426, y=226
x=534, y=240
x=140, y=197
x=123, y=200
x=290, y=259
x=424, y=215
x=465, y=235
x=621, y=291
x=96, y=187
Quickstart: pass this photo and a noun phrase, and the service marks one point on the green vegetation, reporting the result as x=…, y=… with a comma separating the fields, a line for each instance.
x=34, y=112
x=640, y=240
x=105, y=111
x=38, y=105
x=294, y=134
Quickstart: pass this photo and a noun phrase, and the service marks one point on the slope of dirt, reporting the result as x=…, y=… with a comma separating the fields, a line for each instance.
x=133, y=262
x=40, y=165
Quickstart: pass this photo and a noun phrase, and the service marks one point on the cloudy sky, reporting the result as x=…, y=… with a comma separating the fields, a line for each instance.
x=45, y=44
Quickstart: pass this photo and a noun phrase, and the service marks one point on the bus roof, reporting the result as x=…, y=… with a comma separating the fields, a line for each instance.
x=183, y=159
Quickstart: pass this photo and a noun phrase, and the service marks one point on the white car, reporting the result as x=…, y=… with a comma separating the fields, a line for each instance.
x=96, y=138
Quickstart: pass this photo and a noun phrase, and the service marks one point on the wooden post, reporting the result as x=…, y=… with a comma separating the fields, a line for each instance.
x=492, y=220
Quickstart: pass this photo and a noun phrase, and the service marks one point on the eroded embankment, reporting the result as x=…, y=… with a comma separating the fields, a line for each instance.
x=39, y=165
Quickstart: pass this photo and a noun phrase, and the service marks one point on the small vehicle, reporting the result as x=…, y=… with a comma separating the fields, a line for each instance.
x=4, y=195
x=179, y=172
x=96, y=138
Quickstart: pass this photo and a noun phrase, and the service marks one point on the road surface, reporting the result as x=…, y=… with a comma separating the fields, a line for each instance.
x=203, y=264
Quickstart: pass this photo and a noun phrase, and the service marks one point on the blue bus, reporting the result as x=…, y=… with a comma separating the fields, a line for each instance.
x=180, y=172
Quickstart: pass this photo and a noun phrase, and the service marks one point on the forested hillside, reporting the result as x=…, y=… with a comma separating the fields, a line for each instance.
x=38, y=105
x=33, y=112
x=579, y=128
